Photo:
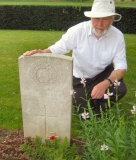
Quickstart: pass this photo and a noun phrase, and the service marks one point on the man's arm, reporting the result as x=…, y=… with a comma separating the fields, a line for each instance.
x=117, y=75
x=99, y=90
x=29, y=53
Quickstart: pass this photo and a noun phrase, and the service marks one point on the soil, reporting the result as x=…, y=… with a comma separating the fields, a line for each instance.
x=10, y=142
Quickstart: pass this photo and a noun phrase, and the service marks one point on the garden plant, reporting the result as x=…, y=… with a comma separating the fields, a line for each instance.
x=110, y=135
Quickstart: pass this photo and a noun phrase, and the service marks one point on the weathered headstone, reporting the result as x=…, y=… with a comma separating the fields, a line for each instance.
x=45, y=84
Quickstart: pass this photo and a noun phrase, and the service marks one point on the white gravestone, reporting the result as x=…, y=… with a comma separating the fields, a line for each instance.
x=45, y=84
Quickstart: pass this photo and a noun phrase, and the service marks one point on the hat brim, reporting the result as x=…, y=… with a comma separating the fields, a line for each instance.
x=91, y=14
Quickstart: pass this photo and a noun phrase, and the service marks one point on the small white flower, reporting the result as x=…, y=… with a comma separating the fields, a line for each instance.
x=72, y=92
x=133, y=111
x=85, y=115
x=116, y=83
x=83, y=81
x=104, y=147
x=106, y=96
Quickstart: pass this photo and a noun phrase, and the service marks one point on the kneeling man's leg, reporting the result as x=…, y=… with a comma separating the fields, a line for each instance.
x=117, y=91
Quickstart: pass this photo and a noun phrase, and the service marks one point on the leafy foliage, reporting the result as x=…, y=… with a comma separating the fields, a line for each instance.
x=50, y=150
x=108, y=136
x=29, y=17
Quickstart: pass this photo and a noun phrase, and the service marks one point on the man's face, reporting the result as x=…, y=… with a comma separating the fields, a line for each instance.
x=101, y=25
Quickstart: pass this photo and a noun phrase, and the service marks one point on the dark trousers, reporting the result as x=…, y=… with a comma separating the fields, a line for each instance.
x=90, y=83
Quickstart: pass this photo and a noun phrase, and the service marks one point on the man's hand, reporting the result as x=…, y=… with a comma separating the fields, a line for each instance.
x=99, y=90
x=29, y=53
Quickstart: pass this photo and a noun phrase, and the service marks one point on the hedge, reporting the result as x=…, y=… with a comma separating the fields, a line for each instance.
x=60, y=18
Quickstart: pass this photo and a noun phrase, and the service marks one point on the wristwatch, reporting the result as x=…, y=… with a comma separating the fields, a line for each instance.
x=109, y=81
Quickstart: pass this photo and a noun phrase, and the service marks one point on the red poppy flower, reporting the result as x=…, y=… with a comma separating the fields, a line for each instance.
x=52, y=138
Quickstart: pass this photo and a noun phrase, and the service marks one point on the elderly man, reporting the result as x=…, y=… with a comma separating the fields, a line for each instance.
x=99, y=57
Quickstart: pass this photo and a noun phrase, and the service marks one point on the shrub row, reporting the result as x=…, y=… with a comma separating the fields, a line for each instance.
x=56, y=18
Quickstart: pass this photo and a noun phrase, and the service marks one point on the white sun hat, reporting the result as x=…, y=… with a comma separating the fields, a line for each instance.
x=103, y=8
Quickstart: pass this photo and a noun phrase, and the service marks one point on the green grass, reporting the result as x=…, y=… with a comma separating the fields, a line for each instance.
x=126, y=3
x=14, y=43
x=130, y=77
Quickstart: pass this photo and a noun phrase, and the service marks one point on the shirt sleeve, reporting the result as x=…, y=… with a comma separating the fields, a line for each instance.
x=66, y=43
x=119, y=60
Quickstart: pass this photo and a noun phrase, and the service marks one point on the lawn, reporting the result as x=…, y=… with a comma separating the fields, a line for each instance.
x=14, y=43
x=125, y=3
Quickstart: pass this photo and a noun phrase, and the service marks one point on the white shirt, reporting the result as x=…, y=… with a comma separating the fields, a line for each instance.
x=91, y=55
